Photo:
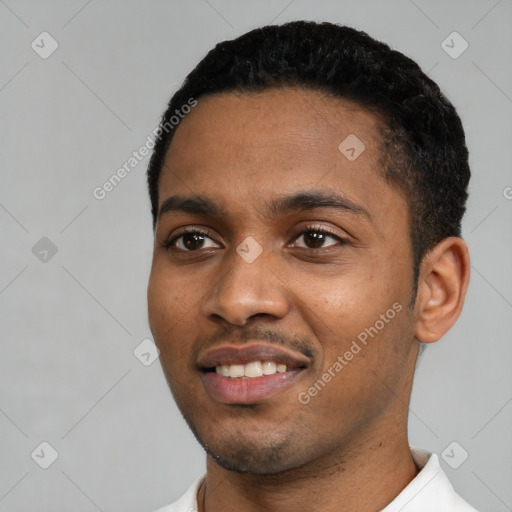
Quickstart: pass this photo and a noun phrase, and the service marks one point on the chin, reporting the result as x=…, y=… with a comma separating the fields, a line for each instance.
x=262, y=462
x=258, y=455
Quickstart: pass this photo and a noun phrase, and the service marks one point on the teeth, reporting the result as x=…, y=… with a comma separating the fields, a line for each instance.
x=250, y=370
x=269, y=367
x=223, y=370
x=253, y=370
x=236, y=370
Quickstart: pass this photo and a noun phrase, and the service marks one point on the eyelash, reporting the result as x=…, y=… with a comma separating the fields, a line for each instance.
x=318, y=229
x=168, y=244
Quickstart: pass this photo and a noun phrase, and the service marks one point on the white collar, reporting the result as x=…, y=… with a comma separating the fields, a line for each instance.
x=430, y=490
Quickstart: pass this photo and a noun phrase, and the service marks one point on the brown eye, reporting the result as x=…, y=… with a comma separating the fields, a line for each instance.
x=314, y=240
x=317, y=238
x=190, y=241
x=193, y=241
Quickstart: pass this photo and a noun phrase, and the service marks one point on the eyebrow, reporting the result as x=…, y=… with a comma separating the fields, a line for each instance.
x=280, y=206
x=195, y=205
x=306, y=201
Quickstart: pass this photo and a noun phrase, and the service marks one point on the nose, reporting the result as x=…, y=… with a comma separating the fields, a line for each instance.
x=243, y=289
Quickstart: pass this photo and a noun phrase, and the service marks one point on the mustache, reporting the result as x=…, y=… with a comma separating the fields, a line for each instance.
x=241, y=335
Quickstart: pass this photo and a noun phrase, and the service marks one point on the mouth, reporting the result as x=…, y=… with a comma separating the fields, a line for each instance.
x=250, y=373
x=251, y=370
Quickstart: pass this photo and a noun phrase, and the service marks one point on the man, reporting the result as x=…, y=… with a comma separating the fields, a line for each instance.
x=307, y=189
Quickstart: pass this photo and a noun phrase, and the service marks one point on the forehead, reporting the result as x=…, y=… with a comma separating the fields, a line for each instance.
x=281, y=123
x=241, y=147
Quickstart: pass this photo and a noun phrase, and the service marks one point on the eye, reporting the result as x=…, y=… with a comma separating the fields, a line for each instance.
x=316, y=238
x=190, y=241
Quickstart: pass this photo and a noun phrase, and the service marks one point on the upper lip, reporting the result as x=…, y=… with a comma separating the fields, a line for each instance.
x=242, y=354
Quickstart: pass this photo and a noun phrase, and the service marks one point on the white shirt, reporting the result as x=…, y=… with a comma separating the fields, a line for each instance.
x=429, y=491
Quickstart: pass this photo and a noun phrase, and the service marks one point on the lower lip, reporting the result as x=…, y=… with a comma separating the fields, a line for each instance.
x=247, y=391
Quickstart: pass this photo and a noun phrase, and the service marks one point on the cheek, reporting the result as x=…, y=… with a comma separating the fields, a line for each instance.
x=164, y=325
x=360, y=302
x=168, y=325
x=360, y=365
x=170, y=300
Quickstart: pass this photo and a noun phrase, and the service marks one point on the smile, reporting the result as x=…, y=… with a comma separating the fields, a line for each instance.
x=250, y=370
x=249, y=373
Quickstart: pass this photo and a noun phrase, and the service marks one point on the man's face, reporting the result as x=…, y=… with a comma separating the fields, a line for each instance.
x=261, y=282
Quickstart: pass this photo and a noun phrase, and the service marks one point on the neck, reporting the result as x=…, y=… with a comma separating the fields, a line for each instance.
x=365, y=478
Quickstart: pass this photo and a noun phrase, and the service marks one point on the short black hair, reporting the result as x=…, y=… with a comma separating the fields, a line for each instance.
x=424, y=152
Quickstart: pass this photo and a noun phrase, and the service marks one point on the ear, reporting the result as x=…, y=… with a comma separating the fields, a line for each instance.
x=442, y=286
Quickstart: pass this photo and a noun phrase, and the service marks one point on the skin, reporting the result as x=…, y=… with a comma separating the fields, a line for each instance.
x=347, y=449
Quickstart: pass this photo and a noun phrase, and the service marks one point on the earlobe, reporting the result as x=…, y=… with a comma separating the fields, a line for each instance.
x=443, y=282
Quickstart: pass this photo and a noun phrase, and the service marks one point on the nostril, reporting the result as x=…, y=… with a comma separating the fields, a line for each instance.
x=259, y=315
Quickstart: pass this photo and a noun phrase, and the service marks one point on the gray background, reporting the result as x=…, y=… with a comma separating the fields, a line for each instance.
x=69, y=325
